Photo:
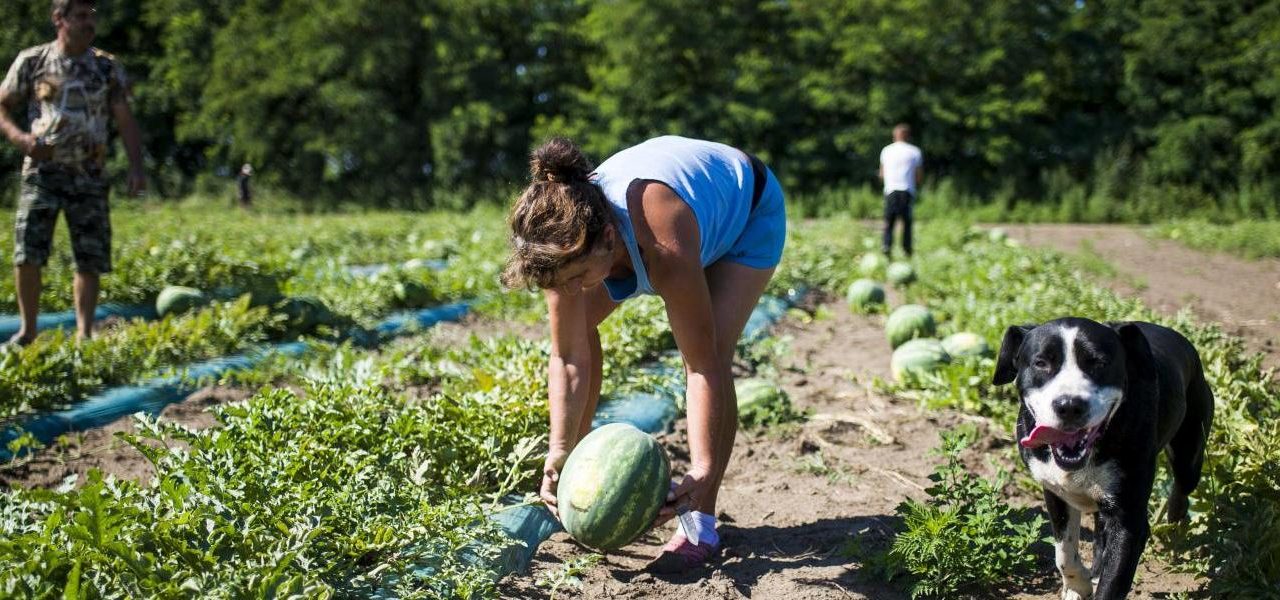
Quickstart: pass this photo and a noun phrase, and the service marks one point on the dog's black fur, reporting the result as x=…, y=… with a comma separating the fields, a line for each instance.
x=1166, y=404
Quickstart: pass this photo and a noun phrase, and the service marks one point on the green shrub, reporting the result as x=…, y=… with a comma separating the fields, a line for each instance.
x=964, y=537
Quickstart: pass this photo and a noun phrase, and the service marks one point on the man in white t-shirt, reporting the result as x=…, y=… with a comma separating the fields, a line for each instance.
x=901, y=166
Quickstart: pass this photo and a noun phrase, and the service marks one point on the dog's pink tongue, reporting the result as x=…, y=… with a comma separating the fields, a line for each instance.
x=1047, y=436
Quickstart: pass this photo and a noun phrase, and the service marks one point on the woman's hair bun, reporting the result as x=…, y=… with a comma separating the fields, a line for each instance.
x=559, y=160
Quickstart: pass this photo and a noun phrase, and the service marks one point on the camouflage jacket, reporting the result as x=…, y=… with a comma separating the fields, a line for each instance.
x=69, y=101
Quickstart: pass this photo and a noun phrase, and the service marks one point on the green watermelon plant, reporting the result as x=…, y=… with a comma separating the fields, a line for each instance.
x=57, y=370
x=352, y=481
x=964, y=538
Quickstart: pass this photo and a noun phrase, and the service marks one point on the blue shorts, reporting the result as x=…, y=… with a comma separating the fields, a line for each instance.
x=760, y=244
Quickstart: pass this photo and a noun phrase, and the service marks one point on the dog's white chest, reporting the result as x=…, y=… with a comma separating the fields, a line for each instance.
x=1083, y=489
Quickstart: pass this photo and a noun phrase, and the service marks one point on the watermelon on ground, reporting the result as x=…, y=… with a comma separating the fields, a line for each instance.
x=412, y=294
x=761, y=402
x=873, y=264
x=612, y=486
x=263, y=289
x=918, y=357
x=177, y=299
x=900, y=273
x=909, y=321
x=997, y=234
x=864, y=294
x=965, y=343
x=304, y=313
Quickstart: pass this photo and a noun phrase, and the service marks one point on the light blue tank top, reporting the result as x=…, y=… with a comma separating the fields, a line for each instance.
x=715, y=180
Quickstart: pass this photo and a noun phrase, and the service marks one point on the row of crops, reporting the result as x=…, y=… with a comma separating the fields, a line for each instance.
x=201, y=246
x=324, y=279
x=357, y=472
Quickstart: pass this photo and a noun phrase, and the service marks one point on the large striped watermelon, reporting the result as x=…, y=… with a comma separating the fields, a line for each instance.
x=917, y=357
x=909, y=321
x=612, y=486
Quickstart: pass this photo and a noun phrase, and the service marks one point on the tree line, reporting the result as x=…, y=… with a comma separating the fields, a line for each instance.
x=1169, y=105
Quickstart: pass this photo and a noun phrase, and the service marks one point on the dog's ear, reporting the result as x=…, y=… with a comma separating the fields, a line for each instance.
x=1006, y=372
x=1139, y=362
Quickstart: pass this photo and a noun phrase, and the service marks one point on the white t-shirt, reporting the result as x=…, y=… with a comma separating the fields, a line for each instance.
x=900, y=161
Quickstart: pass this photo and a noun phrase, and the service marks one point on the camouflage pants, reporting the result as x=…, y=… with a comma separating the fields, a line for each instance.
x=84, y=201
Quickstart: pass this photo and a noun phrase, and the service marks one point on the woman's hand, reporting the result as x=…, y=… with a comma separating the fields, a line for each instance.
x=687, y=495
x=551, y=479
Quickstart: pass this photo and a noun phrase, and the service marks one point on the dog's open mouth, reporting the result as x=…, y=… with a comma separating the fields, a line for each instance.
x=1069, y=448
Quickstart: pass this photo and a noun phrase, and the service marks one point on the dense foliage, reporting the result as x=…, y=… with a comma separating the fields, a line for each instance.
x=1109, y=109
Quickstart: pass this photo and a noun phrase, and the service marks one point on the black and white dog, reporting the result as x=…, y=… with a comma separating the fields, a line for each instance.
x=1099, y=403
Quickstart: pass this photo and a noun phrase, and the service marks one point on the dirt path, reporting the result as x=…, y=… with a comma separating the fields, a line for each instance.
x=795, y=502
x=1241, y=295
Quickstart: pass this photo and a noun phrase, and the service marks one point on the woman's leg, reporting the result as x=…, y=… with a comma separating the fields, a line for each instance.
x=735, y=291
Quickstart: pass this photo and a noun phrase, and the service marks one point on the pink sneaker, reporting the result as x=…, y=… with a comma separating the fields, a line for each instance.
x=680, y=556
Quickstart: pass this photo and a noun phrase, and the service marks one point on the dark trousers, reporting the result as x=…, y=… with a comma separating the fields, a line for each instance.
x=897, y=205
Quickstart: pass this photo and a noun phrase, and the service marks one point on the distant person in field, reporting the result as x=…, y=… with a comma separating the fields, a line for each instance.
x=901, y=167
x=242, y=186
x=68, y=91
x=699, y=224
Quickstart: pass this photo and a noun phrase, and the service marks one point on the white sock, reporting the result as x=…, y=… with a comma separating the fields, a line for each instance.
x=703, y=528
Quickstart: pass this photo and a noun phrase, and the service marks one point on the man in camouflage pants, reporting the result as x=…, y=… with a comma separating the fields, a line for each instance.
x=69, y=90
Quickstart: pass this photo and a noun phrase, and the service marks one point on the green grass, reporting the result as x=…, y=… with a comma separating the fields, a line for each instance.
x=1249, y=239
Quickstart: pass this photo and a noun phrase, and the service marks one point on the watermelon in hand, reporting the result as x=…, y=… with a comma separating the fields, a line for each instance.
x=612, y=486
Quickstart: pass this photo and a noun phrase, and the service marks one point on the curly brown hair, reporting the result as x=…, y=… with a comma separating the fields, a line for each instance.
x=560, y=217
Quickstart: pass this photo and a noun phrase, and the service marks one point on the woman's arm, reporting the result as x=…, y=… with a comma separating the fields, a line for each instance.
x=573, y=378
x=668, y=230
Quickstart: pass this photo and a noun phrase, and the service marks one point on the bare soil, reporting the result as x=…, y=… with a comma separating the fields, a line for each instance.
x=73, y=455
x=1241, y=295
x=802, y=507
